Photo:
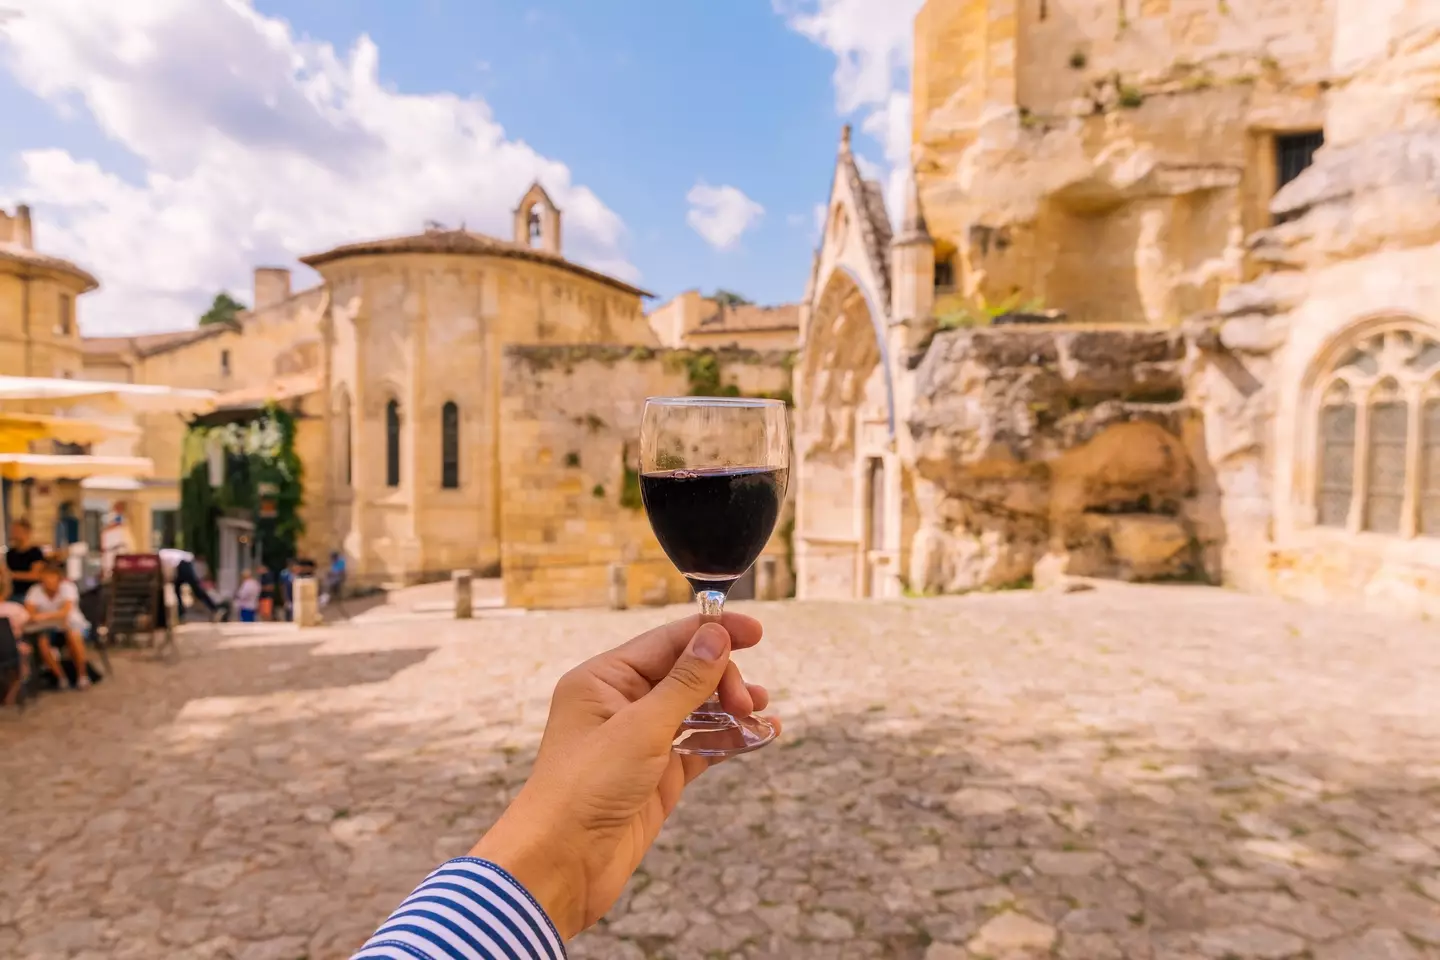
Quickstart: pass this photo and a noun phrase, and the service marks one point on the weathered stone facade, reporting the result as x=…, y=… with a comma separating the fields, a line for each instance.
x=416, y=334
x=569, y=464
x=1278, y=427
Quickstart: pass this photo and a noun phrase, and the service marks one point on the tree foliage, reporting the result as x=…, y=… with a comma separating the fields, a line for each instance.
x=223, y=309
x=729, y=298
x=259, y=452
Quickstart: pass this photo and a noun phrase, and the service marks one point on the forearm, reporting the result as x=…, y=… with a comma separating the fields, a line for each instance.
x=467, y=908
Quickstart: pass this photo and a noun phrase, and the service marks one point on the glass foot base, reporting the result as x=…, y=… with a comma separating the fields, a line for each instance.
x=721, y=735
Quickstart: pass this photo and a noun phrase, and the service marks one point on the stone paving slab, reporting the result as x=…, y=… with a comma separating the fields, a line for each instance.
x=1158, y=773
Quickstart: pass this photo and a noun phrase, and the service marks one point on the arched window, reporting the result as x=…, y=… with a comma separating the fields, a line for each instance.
x=1430, y=461
x=1377, y=434
x=343, y=446
x=450, y=446
x=392, y=443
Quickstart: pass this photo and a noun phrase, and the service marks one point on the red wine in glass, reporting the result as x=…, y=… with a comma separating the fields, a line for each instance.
x=713, y=522
x=713, y=474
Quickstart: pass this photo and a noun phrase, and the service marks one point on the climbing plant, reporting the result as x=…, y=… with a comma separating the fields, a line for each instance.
x=258, y=453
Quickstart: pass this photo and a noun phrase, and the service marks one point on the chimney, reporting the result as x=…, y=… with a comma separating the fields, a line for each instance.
x=272, y=286
x=17, y=229
x=24, y=229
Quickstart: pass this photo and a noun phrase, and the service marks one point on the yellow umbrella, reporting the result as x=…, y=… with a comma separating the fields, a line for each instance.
x=19, y=430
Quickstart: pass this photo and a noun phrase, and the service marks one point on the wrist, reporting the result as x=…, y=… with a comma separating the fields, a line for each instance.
x=530, y=847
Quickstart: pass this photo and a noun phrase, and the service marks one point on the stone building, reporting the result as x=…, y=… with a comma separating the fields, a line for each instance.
x=398, y=367
x=1137, y=321
x=698, y=322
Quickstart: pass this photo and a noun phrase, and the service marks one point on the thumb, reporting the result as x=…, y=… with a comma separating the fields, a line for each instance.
x=694, y=677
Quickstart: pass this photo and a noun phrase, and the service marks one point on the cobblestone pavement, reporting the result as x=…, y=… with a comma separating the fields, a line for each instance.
x=1162, y=773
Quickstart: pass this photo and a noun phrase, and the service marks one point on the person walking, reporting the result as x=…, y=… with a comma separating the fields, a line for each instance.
x=179, y=569
x=603, y=784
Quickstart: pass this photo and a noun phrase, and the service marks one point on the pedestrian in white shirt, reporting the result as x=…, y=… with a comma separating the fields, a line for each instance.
x=247, y=597
x=179, y=569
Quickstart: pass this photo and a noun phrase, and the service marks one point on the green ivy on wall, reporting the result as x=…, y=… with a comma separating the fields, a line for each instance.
x=259, y=452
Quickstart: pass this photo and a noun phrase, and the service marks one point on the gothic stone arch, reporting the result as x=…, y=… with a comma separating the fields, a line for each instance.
x=848, y=501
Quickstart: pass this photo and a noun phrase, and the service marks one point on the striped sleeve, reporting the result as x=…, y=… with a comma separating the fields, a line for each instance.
x=468, y=909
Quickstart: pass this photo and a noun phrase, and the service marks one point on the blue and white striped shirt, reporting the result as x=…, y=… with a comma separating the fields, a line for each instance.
x=468, y=909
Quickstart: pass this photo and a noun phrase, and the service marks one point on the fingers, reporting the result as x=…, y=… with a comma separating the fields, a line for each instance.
x=759, y=697
x=653, y=653
x=734, y=695
x=694, y=675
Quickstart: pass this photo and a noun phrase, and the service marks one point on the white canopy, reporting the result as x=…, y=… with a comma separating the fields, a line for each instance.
x=40, y=466
x=130, y=396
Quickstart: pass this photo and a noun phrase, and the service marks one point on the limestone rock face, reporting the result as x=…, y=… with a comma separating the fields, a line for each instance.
x=1057, y=444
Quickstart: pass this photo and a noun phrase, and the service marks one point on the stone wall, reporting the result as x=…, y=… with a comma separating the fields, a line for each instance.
x=1356, y=259
x=425, y=330
x=568, y=467
x=1107, y=159
x=1042, y=452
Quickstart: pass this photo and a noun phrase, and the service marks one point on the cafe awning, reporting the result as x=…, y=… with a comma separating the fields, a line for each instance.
x=18, y=430
x=126, y=396
x=40, y=466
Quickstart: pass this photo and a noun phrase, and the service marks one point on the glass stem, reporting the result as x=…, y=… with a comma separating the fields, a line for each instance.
x=712, y=605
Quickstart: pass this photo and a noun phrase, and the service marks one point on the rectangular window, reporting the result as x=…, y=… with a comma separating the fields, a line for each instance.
x=225, y=363
x=1385, y=487
x=164, y=528
x=1294, y=153
x=65, y=321
x=945, y=274
x=1430, y=470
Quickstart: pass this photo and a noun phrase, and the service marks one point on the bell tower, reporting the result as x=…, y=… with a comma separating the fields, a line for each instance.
x=537, y=221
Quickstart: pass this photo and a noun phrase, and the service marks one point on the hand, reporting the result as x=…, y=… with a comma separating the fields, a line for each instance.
x=605, y=777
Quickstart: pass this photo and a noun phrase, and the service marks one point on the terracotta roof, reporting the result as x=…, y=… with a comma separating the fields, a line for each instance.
x=145, y=345
x=750, y=318
x=281, y=388
x=13, y=253
x=465, y=243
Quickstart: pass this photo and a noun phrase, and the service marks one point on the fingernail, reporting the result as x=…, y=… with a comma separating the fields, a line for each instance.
x=709, y=642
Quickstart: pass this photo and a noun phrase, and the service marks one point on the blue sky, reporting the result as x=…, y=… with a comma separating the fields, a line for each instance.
x=174, y=144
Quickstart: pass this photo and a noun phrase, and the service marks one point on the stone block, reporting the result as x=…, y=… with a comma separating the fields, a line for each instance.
x=464, y=596
x=307, y=603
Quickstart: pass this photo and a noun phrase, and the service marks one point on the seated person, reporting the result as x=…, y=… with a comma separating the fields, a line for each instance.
x=18, y=617
x=54, y=603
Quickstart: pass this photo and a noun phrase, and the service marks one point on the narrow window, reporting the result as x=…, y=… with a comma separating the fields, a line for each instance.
x=1337, y=457
x=1430, y=466
x=876, y=480
x=342, y=416
x=66, y=320
x=1385, y=462
x=450, y=447
x=224, y=363
x=392, y=443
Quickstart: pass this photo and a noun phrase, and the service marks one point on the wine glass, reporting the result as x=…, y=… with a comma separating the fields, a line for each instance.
x=713, y=473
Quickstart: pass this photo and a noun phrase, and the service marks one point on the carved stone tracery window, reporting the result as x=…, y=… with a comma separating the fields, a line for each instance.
x=1377, y=435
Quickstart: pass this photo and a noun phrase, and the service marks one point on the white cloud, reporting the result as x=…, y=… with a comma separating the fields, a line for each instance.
x=721, y=214
x=872, y=41
x=257, y=146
